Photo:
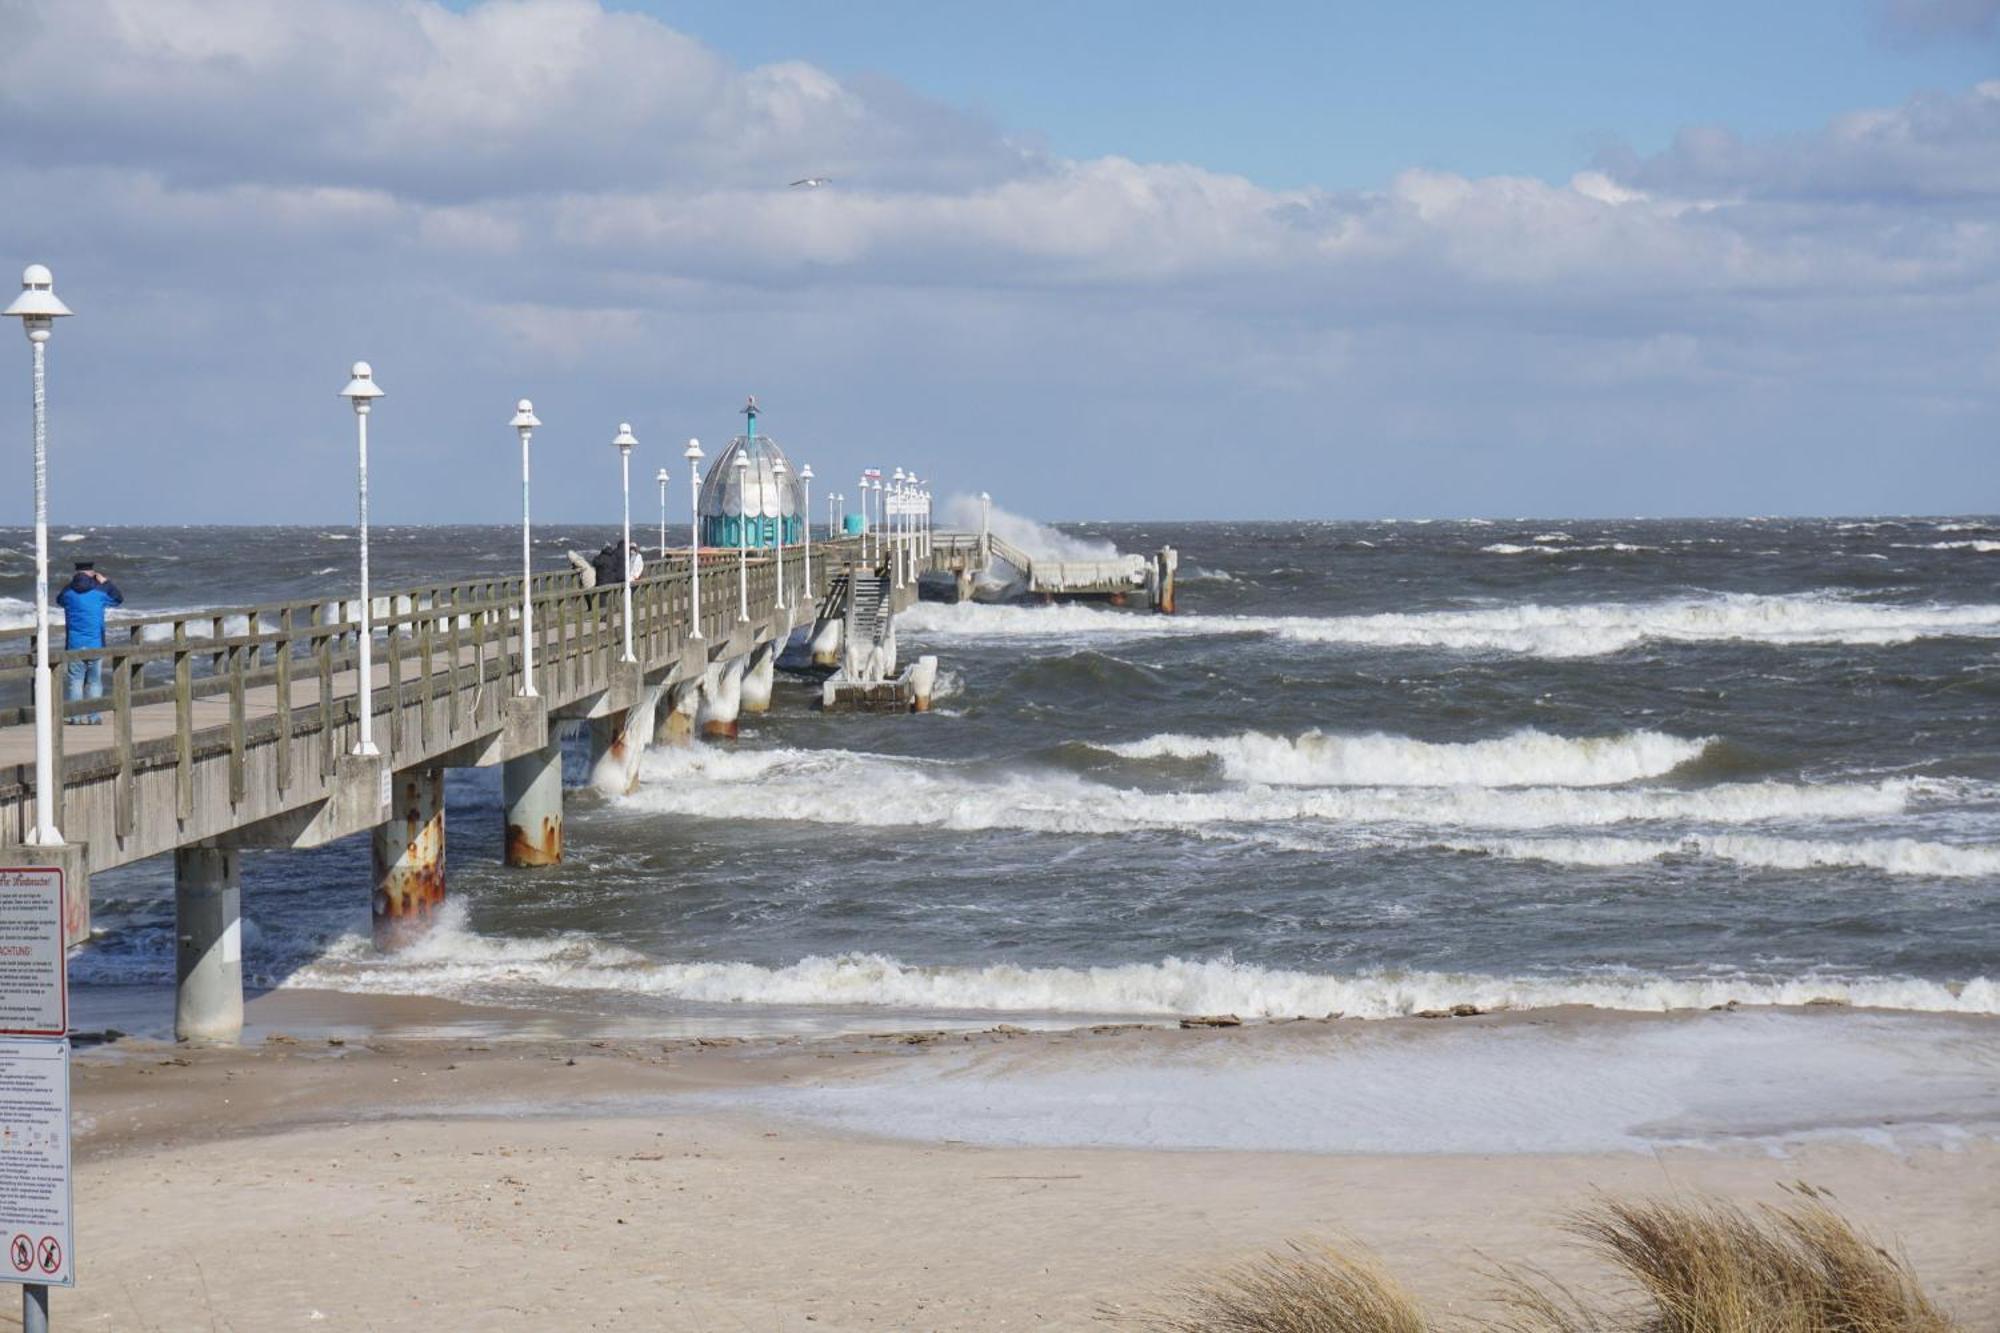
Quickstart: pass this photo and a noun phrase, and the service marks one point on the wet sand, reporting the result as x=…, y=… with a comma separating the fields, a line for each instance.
x=397, y=1165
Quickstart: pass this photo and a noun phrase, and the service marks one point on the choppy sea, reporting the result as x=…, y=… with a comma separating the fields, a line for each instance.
x=1370, y=768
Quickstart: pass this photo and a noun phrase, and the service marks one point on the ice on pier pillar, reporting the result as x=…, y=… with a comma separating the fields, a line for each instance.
x=531, y=788
x=760, y=678
x=677, y=711
x=923, y=682
x=618, y=742
x=826, y=643
x=409, y=859
x=208, y=962
x=1166, y=564
x=722, y=698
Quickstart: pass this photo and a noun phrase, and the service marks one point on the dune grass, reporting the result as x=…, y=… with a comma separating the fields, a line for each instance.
x=1686, y=1265
x=1301, y=1289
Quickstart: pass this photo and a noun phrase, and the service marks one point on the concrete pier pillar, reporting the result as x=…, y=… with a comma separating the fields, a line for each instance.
x=409, y=859
x=923, y=682
x=208, y=958
x=531, y=789
x=826, y=643
x=1166, y=565
x=760, y=678
x=722, y=698
x=675, y=722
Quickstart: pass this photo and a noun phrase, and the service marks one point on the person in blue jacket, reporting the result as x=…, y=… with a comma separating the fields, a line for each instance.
x=84, y=602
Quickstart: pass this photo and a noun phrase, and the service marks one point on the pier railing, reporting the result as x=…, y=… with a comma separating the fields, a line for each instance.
x=182, y=688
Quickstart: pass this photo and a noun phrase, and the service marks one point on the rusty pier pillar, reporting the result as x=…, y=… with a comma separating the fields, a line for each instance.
x=531, y=791
x=409, y=859
x=208, y=950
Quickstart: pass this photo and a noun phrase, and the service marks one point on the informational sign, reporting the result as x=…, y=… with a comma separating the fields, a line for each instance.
x=34, y=1163
x=34, y=977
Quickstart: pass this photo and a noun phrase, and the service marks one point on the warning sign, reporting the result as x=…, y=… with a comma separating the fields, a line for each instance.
x=34, y=980
x=34, y=1162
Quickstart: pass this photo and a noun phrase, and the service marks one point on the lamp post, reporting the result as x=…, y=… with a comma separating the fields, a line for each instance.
x=624, y=441
x=693, y=455
x=38, y=310
x=362, y=391
x=896, y=488
x=663, y=479
x=806, y=522
x=778, y=480
x=742, y=535
x=525, y=422
x=985, y=529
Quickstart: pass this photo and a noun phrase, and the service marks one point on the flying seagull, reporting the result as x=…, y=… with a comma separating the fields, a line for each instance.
x=811, y=182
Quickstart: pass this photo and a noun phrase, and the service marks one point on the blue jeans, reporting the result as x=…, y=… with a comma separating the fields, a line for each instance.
x=85, y=680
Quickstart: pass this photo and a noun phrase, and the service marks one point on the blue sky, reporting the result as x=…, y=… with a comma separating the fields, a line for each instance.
x=1418, y=259
x=1296, y=93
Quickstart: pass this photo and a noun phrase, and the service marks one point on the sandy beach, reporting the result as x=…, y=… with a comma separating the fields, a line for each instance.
x=454, y=1180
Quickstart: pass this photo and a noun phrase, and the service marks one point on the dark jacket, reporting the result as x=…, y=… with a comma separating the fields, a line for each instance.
x=611, y=571
x=84, y=603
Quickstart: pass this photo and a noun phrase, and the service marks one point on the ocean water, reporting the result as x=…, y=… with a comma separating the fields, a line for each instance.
x=1371, y=768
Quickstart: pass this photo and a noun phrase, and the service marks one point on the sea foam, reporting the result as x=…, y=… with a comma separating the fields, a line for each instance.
x=1526, y=758
x=844, y=788
x=1535, y=629
x=455, y=963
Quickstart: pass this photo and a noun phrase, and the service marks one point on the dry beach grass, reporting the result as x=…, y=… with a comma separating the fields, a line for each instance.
x=1698, y=1265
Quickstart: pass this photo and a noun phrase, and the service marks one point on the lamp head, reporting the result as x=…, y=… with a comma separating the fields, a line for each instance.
x=524, y=417
x=899, y=474
x=693, y=452
x=664, y=477
x=625, y=439
x=742, y=462
x=361, y=388
x=806, y=472
x=37, y=307
x=778, y=466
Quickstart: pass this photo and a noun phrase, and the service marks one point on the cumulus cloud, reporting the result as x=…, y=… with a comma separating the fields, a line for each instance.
x=533, y=187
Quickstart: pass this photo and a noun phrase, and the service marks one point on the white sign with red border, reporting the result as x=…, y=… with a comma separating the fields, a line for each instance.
x=34, y=975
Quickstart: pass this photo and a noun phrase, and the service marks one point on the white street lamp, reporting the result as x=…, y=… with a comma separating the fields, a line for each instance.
x=864, y=517
x=778, y=479
x=806, y=522
x=985, y=528
x=38, y=309
x=743, y=534
x=624, y=441
x=896, y=523
x=875, y=524
x=663, y=479
x=525, y=422
x=362, y=391
x=693, y=455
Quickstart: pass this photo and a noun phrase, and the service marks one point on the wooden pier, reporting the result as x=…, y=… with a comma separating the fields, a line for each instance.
x=238, y=727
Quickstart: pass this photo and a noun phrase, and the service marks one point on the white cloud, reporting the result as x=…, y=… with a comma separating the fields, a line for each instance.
x=541, y=184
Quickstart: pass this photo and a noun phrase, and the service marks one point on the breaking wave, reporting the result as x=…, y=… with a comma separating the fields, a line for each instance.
x=1533, y=629
x=1527, y=758
x=451, y=962
x=1892, y=856
x=847, y=789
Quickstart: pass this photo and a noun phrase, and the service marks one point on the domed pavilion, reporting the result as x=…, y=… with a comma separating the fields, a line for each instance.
x=744, y=506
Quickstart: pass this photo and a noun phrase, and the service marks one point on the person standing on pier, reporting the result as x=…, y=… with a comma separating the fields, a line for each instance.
x=84, y=602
